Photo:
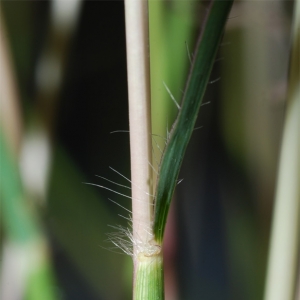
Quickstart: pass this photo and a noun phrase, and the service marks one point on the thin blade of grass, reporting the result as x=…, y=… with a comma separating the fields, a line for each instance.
x=183, y=127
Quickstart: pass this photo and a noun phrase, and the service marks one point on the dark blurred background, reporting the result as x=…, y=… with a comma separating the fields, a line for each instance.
x=68, y=60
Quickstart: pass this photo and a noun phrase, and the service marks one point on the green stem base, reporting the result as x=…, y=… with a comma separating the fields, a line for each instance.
x=149, y=281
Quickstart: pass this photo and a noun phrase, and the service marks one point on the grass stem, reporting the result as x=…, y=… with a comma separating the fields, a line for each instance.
x=138, y=70
x=284, y=245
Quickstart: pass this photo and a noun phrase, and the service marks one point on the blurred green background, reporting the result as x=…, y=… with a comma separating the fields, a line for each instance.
x=69, y=93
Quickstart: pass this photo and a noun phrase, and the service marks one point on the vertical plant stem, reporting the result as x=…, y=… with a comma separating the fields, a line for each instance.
x=285, y=236
x=137, y=40
x=10, y=115
x=139, y=111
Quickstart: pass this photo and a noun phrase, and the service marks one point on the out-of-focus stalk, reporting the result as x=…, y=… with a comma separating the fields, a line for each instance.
x=25, y=266
x=10, y=116
x=285, y=236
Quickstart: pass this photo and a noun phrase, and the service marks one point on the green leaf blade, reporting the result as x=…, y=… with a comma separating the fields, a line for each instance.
x=183, y=127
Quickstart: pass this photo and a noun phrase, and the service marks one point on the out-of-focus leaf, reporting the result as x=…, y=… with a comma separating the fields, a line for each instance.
x=21, y=226
x=79, y=220
x=19, y=222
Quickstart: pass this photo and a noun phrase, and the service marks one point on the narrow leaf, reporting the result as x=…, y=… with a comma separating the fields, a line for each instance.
x=206, y=50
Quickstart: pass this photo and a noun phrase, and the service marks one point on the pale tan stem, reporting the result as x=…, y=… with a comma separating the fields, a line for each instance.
x=284, y=246
x=10, y=115
x=137, y=40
